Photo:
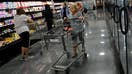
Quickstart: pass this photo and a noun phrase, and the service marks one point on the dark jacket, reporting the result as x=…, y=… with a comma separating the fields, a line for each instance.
x=47, y=13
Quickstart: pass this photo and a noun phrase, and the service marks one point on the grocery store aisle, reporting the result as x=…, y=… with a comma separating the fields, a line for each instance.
x=101, y=59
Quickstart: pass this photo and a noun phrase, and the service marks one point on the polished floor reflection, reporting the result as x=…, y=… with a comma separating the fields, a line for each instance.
x=100, y=53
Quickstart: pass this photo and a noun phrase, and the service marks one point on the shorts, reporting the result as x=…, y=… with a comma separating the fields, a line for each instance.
x=77, y=36
x=25, y=39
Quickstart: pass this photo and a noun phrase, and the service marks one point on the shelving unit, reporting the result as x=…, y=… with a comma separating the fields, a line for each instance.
x=9, y=41
x=33, y=9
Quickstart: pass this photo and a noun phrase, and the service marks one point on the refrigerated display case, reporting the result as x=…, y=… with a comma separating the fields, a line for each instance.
x=124, y=33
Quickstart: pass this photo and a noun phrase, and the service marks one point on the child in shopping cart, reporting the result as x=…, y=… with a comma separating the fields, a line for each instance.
x=77, y=30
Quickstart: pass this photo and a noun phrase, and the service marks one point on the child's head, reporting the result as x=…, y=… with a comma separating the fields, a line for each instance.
x=79, y=6
x=73, y=8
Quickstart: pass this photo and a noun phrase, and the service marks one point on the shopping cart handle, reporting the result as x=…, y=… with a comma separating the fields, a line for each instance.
x=65, y=33
x=73, y=18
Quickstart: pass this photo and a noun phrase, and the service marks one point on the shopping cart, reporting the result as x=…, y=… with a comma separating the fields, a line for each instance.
x=38, y=35
x=65, y=61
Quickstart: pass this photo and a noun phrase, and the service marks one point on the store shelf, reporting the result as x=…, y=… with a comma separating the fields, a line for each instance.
x=5, y=26
x=57, y=5
x=36, y=18
x=5, y=18
x=22, y=7
x=37, y=6
x=7, y=33
x=10, y=44
x=8, y=8
x=33, y=12
x=9, y=51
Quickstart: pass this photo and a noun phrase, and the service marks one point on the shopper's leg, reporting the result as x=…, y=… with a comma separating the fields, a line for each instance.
x=74, y=51
x=23, y=52
x=49, y=25
x=22, y=49
x=81, y=38
x=26, y=52
x=26, y=45
x=74, y=41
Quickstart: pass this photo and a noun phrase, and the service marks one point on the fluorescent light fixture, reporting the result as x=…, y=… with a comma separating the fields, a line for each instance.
x=90, y=32
x=124, y=48
x=102, y=30
x=49, y=71
x=130, y=52
x=88, y=55
x=86, y=34
x=102, y=53
x=102, y=42
x=84, y=25
x=129, y=32
x=102, y=35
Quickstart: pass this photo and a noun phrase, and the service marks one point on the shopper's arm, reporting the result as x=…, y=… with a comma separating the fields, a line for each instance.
x=30, y=20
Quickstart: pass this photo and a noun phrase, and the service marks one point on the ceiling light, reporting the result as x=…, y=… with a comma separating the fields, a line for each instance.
x=102, y=35
x=102, y=30
x=102, y=42
x=101, y=53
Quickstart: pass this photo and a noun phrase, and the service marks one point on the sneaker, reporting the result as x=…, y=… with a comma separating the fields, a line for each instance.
x=74, y=56
x=22, y=59
x=26, y=59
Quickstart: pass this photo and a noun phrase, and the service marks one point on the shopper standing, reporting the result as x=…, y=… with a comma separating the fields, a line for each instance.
x=48, y=14
x=64, y=13
x=77, y=28
x=21, y=22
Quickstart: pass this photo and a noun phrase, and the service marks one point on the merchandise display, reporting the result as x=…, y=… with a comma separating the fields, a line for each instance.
x=33, y=9
x=10, y=42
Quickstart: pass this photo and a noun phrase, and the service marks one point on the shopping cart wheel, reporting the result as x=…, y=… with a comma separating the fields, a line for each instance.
x=68, y=55
x=67, y=71
x=85, y=55
x=56, y=71
x=84, y=58
x=41, y=53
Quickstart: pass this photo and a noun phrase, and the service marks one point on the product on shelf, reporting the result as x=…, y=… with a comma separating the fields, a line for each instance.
x=37, y=15
x=33, y=9
x=6, y=41
x=2, y=5
x=31, y=31
x=2, y=43
x=15, y=36
x=1, y=24
x=10, y=5
x=9, y=22
x=9, y=39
